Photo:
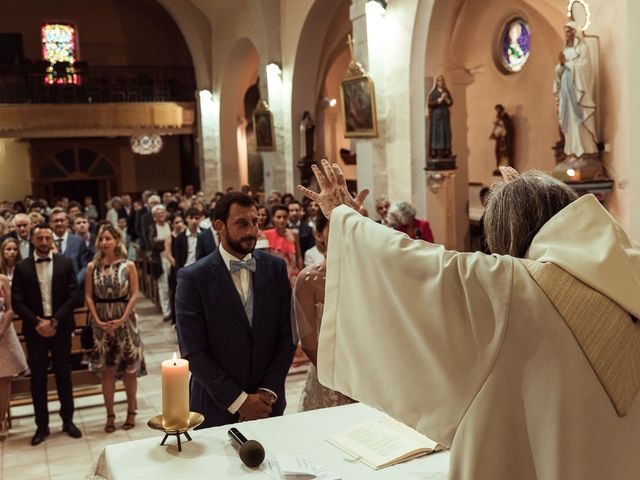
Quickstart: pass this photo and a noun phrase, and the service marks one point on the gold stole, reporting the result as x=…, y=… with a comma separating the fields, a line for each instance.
x=606, y=333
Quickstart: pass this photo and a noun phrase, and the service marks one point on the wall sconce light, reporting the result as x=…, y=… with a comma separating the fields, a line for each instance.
x=435, y=181
x=273, y=69
x=206, y=95
x=328, y=102
x=382, y=3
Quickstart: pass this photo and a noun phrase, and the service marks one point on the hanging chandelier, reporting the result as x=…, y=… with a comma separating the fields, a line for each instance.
x=146, y=144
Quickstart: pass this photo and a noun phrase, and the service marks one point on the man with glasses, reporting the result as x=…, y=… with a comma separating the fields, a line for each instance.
x=22, y=234
x=67, y=244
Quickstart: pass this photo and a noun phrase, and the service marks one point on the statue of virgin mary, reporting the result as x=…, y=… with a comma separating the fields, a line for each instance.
x=574, y=90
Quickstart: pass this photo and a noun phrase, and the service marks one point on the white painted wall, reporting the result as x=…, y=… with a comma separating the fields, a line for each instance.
x=15, y=165
x=526, y=95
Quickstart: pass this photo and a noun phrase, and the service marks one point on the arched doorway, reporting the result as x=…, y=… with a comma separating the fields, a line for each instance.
x=75, y=170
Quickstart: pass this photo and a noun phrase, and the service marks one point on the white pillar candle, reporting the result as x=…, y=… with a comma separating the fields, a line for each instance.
x=175, y=393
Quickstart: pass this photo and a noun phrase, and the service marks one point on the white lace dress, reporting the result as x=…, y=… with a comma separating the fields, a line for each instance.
x=308, y=296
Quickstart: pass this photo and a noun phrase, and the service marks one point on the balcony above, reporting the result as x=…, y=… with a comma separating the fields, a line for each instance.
x=84, y=83
x=96, y=120
x=96, y=101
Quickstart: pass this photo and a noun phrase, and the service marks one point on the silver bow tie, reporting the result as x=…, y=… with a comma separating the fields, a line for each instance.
x=237, y=265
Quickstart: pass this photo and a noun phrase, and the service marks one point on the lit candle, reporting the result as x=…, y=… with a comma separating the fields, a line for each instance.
x=175, y=393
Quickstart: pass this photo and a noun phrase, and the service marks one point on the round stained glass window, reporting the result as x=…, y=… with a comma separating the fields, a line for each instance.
x=515, y=44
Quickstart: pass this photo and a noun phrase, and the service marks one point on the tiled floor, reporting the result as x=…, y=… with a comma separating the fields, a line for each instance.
x=61, y=457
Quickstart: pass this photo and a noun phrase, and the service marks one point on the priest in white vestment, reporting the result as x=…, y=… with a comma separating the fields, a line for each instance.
x=526, y=363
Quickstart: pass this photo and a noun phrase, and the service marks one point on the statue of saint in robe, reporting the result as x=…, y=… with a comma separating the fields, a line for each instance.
x=307, y=134
x=439, y=101
x=504, y=135
x=574, y=90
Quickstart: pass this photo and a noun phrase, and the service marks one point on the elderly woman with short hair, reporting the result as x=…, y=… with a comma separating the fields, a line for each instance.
x=161, y=259
x=520, y=361
x=404, y=217
x=113, y=205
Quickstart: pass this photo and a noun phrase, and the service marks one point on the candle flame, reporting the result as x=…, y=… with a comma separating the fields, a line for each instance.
x=175, y=357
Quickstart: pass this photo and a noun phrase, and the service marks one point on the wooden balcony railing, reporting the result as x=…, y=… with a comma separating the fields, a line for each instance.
x=95, y=84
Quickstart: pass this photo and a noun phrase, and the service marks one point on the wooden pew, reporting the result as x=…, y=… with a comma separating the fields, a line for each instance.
x=85, y=382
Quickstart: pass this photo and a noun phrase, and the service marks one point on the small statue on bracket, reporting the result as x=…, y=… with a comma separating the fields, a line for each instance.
x=439, y=101
x=503, y=134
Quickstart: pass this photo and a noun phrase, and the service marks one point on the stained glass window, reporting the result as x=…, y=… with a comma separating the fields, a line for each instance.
x=515, y=44
x=59, y=49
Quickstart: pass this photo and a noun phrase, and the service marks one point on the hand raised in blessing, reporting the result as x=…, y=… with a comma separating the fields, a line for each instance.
x=333, y=189
x=508, y=173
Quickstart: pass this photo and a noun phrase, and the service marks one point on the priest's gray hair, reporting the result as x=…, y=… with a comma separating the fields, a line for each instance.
x=517, y=210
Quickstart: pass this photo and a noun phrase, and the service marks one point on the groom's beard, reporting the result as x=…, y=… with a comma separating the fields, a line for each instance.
x=245, y=245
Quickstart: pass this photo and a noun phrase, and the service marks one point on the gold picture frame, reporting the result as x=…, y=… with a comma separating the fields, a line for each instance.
x=358, y=106
x=263, y=128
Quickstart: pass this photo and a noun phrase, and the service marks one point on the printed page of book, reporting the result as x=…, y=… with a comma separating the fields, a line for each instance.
x=383, y=443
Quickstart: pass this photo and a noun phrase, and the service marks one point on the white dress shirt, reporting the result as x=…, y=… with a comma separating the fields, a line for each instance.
x=63, y=245
x=241, y=278
x=216, y=237
x=312, y=256
x=242, y=281
x=24, y=246
x=192, y=239
x=44, y=270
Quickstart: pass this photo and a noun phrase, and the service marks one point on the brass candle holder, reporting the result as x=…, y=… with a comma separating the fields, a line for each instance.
x=195, y=419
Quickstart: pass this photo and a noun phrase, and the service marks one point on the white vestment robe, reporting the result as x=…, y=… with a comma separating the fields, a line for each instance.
x=468, y=349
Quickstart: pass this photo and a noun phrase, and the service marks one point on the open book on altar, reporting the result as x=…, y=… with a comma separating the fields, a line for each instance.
x=384, y=443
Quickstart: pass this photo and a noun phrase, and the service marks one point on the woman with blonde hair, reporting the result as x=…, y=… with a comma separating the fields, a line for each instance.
x=111, y=291
x=9, y=256
x=36, y=218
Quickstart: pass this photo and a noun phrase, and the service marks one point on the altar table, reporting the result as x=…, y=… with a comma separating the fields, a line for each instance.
x=210, y=455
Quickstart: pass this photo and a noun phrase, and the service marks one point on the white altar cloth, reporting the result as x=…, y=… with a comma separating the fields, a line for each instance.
x=211, y=455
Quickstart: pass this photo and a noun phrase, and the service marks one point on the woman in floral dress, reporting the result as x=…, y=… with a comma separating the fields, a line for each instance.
x=111, y=290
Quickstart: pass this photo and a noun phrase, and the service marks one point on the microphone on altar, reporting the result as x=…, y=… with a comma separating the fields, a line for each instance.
x=418, y=234
x=251, y=451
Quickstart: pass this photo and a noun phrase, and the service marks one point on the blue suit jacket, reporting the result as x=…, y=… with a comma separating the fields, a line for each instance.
x=226, y=355
x=205, y=244
x=74, y=251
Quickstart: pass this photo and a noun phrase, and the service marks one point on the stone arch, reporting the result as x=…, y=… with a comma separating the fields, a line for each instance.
x=240, y=72
x=325, y=27
x=195, y=29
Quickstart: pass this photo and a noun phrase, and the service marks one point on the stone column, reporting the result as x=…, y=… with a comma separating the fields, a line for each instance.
x=441, y=196
x=278, y=166
x=208, y=138
x=371, y=153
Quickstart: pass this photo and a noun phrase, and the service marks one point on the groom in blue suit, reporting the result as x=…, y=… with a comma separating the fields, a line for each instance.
x=233, y=322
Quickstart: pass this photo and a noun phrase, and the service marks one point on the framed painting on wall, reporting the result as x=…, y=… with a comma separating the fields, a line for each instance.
x=358, y=98
x=263, y=126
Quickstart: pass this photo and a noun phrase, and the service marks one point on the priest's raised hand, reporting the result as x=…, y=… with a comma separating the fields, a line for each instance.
x=333, y=189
